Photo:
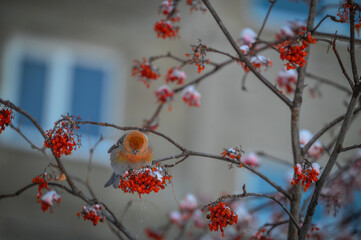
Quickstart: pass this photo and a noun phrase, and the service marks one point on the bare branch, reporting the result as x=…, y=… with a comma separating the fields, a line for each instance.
x=341, y=64
x=326, y=128
x=18, y=109
x=321, y=182
x=352, y=43
x=328, y=82
x=344, y=149
x=273, y=184
x=32, y=145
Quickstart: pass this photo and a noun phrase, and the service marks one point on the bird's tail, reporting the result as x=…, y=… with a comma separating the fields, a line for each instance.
x=113, y=180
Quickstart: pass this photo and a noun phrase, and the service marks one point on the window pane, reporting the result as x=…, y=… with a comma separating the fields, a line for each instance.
x=87, y=96
x=32, y=84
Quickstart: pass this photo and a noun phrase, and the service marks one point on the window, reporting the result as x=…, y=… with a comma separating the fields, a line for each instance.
x=48, y=78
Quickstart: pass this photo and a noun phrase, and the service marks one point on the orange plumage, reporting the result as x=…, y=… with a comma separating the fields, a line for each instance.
x=131, y=151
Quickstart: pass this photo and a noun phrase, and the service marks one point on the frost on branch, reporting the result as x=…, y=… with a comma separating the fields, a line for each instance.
x=166, y=28
x=6, y=116
x=176, y=75
x=49, y=199
x=164, y=94
x=258, y=61
x=145, y=71
x=92, y=213
x=144, y=180
x=316, y=148
x=287, y=79
x=196, y=5
x=232, y=154
x=247, y=37
x=291, y=29
x=251, y=159
x=191, y=96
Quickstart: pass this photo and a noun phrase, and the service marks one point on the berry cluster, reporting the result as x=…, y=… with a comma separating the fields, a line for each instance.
x=61, y=139
x=191, y=96
x=232, y=153
x=258, y=61
x=316, y=149
x=175, y=74
x=287, y=79
x=198, y=57
x=42, y=181
x=307, y=176
x=164, y=94
x=144, y=71
x=220, y=216
x=92, y=213
x=294, y=52
x=6, y=115
x=344, y=12
x=144, y=181
x=165, y=28
x=48, y=200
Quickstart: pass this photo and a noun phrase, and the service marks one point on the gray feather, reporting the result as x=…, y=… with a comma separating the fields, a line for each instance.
x=119, y=143
x=113, y=180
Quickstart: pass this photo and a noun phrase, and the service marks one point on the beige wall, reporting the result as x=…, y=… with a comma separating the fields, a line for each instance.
x=228, y=117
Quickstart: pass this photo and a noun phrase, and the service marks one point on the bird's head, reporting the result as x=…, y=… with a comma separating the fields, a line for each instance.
x=135, y=142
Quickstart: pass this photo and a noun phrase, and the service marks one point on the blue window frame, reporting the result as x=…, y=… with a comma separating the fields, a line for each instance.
x=87, y=97
x=33, y=75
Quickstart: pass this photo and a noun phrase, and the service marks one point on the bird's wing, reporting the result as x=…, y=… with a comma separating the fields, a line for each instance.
x=113, y=180
x=119, y=142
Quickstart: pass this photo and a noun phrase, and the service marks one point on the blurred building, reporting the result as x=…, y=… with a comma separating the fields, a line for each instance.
x=76, y=57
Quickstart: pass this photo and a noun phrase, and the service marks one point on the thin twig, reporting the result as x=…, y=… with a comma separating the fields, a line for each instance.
x=344, y=149
x=266, y=18
x=352, y=43
x=328, y=82
x=91, y=153
x=341, y=64
x=326, y=128
x=333, y=158
x=32, y=145
x=269, y=181
x=18, y=109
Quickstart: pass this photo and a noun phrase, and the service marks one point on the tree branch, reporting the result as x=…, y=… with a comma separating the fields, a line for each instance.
x=321, y=182
x=246, y=194
x=326, y=128
x=243, y=58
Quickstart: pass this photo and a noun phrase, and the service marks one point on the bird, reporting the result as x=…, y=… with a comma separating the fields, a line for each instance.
x=131, y=151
